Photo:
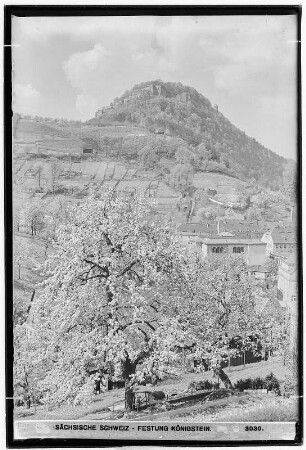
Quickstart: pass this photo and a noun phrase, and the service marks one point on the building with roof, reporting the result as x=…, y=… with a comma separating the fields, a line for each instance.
x=287, y=282
x=281, y=243
x=287, y=294
x=234, y=237
x=88, y=149
x=252, y=250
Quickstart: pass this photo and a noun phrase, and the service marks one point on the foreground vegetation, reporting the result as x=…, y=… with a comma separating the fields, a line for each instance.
x=271, y=406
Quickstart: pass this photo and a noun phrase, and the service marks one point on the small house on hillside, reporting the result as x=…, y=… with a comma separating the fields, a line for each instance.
x=88, y=149
x=159, y=131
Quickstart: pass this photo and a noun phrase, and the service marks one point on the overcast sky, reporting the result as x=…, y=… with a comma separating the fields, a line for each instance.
x=71, y=66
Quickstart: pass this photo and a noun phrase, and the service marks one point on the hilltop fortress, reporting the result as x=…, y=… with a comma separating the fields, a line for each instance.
x=152, y=90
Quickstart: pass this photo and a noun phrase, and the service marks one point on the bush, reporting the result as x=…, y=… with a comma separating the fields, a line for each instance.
x=270, y=382
x=243, y=384
x=258, y=383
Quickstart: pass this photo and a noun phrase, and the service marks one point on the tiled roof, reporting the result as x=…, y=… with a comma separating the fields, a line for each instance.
x=231, y=226
x=243, y=225
x=196, y=227
x=283, y=238
x=242, y=229
x=233, y=240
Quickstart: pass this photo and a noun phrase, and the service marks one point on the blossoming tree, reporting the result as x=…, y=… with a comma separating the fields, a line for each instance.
x=108, y=299
x=223, y=315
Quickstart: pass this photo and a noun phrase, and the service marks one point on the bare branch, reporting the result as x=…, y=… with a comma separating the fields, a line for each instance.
x=144, y=333
x=31, y=301
x=123, y=327
x=128, y=268
x=153, y=307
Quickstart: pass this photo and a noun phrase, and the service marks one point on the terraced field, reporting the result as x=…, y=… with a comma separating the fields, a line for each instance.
x=87, y=175
x=113, y=131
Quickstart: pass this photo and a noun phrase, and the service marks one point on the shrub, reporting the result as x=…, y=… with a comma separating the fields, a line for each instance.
x=270, y=382
x=243, y=384
x=258, y=383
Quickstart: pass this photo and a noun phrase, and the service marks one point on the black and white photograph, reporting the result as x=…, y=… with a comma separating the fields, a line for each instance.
x=153, y=283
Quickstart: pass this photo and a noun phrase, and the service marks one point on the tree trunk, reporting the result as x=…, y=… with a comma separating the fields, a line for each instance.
x=224, y=378
x=129, y=396
x=128, y=368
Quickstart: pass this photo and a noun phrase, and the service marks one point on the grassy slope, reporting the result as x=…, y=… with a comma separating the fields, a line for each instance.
x=225, y=185
x=250, y=408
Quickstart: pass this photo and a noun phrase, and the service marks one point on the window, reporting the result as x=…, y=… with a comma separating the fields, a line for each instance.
x=217, y=249
x=238, y=249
